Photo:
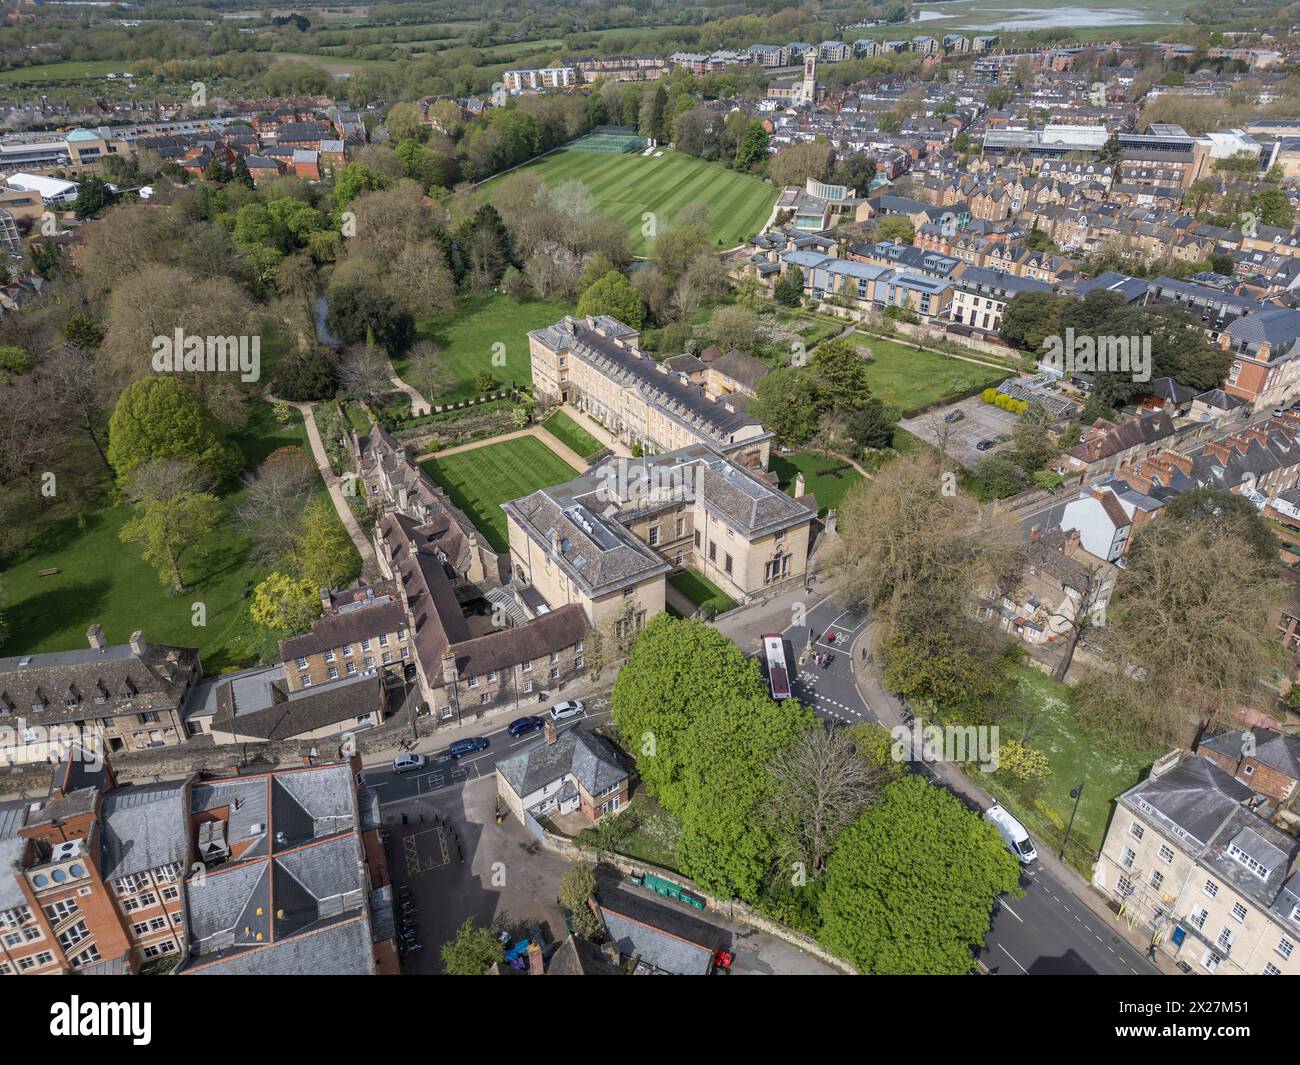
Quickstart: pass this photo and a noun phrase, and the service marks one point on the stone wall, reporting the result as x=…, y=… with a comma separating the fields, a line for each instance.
x=731, y=908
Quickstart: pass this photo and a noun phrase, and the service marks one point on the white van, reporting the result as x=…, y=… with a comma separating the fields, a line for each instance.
x=1013, y=834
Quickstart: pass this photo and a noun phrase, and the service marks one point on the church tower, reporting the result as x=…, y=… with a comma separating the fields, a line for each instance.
x=808, y=90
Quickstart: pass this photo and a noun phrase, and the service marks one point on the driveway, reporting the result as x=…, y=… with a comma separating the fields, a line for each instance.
x=979, y=421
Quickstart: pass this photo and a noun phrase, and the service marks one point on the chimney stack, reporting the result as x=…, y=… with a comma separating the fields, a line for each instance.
x=798, y=485
x=555, y=542
x=326, y=600
x=95, y=634
x=1035, y=531
x=548, y=731
x=535, y=966
x=137, y=642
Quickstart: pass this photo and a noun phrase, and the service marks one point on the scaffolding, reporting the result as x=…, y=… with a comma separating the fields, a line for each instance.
x=1141, y=903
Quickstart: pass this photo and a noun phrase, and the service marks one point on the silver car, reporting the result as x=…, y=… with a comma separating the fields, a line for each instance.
x=564, y=711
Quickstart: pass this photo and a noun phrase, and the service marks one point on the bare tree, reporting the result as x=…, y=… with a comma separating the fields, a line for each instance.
x=819, y=786
x=74, y=386
x=274, y=500
x=363, y=372
x=427, y=370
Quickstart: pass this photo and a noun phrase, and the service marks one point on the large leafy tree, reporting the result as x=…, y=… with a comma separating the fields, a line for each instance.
x=325, y=555
x=704, y=729
x=613, y=295
x=911, y=884
x=161, y=417
x=473, y=952
x=172, y=529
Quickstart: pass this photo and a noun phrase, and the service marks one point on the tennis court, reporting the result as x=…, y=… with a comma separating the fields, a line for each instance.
x=609, y=139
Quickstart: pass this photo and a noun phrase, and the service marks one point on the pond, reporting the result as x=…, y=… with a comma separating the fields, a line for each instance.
x=320, y=310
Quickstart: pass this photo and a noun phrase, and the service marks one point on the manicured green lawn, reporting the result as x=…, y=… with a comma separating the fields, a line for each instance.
x=466, y=340
x=630, y=186
x=103, y=580
x=905, y=378
x=71, y=70
x=700, y=590
x=571, y=434
x=1077, y=757
x=481, y=479
x=825, y=477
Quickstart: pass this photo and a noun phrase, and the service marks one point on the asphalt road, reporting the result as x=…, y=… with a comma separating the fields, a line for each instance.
x=445, y=772
x=1048, y=930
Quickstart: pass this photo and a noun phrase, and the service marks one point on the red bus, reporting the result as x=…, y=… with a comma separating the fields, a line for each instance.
x=778, y=671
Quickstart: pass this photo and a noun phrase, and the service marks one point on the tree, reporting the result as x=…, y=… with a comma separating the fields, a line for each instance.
x=911, y=885
x=473, y=952
x=613, y=295
x=870, y=427
x=73, y=383
x=284, y=603
x=820, y=785
x=795, y=163
x=362, y=307
x=273, y=501
x=160, y=417
x=1032, y=443
x=896, y=227
x=786, y=403
x=788, y=289
x=323, y=552
x=705, y=729
x=1187, y=634
x=577, y=885
x=753, y=146
x=1029, y=318
x=405, y=122
x=93, y=195
x=171, y=530
x=841, y=371
x=363, y=372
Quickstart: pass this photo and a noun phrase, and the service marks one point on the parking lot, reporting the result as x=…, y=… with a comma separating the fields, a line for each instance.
x=448, y=855
x=979, y=421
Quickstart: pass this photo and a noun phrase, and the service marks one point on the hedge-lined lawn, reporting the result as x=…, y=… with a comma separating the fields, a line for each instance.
x=466, y=341
x=700, y=590
x=826, y=477
x=481, y=479
x=905, y=379
x=629, y=186
x=103, y=580
x=571, y=434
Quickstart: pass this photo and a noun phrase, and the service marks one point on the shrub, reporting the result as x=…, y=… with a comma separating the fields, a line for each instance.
x=989, y=395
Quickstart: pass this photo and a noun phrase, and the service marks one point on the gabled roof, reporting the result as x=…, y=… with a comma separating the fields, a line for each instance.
x=592, y=760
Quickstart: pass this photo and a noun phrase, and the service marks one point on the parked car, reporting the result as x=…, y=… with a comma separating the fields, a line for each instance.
x=984, y=445
x=1013, y=834
x=953, y=416
x=524, y=725
x=565, y=710
x=405, y=763
x=1278, y=412
x=463, y=747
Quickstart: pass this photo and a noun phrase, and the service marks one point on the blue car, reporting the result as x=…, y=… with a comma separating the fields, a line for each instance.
x=524, y=725
x=463, y=747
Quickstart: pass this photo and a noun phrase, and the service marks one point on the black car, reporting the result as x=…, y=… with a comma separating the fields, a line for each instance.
x=524, y=725
x=984, y=445
x=463, y=747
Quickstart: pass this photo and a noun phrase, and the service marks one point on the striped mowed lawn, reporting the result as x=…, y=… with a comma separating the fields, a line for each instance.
x=627, y=186
x=481, y=479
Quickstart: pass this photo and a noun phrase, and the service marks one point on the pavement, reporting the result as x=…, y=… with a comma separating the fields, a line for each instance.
x=979, y=421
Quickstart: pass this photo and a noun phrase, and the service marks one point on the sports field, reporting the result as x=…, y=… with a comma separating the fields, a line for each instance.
x=481, y=479
x=631, y=186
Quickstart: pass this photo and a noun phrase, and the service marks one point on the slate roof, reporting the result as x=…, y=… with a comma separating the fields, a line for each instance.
x=65, y=686
x=600, y=342
x=664, y=938
x=1195, y=796
x=1133, y=432
x=592, y=759
x=143, y=827
x=296, y=901
x=580, y=957
x=1279, y=327
x=258, y=703
x=1274, y=749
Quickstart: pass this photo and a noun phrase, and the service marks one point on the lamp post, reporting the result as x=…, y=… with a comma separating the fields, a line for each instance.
x=1074, y=794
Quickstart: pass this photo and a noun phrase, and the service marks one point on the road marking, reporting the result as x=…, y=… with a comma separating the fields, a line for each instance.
x=1013, y=913
x=1009, y=955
